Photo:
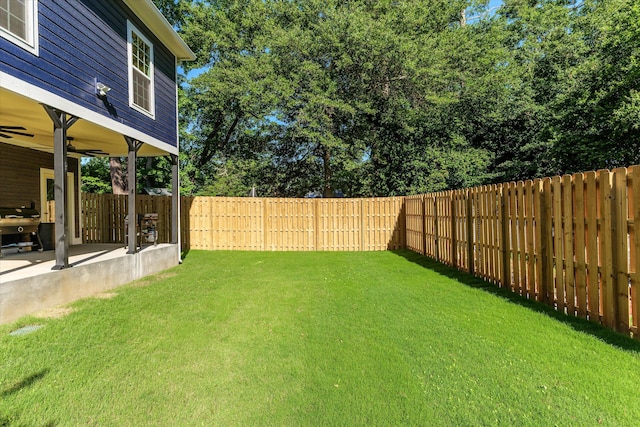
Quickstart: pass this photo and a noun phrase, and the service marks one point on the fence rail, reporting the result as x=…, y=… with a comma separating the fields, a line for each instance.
x=572, y=242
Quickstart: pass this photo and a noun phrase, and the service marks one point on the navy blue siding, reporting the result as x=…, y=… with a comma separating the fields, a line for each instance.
x=83, y=40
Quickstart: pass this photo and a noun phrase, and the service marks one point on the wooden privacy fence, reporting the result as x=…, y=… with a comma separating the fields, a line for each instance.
x=234, y=223
x=571, y=241
x=103, y=216
x=293, y=224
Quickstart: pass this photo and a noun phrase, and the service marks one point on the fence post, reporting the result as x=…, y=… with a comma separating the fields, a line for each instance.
x=634, y=196
x=620, y=249
x=593, y=287
x=316, y=214
x=454, y=260
x=470, y=233
x=580, y=244
x=505, y=252
x=265, y=232
x=539, y=206
x=423, y=201
x=608, y=276
x=569, y=240
x=435, y=226
x=362, y=225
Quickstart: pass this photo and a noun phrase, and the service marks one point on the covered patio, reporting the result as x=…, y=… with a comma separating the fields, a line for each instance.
x=47, y=133
x=28, y=282
x=49, y=124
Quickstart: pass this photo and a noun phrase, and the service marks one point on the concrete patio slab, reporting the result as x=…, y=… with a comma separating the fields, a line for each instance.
x=28, y=284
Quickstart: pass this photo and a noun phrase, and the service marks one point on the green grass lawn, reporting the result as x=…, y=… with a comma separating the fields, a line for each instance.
x=288, y=339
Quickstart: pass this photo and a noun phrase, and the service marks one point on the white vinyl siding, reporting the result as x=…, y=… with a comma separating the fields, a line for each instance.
x=19, y=23
x=140, y=53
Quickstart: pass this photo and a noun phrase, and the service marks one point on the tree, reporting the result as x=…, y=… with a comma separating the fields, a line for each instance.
x=397, y=97
x=317, y=91
x=597, y=117
x=96, y=176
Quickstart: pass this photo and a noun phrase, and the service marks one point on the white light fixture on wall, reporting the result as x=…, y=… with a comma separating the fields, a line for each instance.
x=102, y=89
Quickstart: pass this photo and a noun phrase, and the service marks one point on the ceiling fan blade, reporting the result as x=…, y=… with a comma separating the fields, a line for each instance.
x=4, y=130
x=91, y=151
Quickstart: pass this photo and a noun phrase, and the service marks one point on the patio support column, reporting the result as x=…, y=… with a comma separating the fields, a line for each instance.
x=61, y=123
x=134, y=146
x=175, y=201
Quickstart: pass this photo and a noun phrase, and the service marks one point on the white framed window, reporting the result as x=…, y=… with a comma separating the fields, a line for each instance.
x=19, y=23
x=140, y=54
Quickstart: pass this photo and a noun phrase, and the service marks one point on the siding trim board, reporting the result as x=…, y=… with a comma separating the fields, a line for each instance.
x=42, y=96
x=158, y=24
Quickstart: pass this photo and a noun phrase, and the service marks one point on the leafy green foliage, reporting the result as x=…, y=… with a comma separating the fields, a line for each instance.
x=398, y=97
x=96, y=177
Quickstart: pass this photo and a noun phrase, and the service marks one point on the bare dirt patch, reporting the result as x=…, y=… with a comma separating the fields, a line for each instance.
x=149, y=280
x=105, y=295
x=54, y=312
x=165, y=275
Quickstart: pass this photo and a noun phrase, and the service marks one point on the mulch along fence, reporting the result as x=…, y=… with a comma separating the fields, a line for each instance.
x=569, y=241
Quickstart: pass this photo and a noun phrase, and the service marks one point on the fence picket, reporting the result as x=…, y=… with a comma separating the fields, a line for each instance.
x=558, y=252
x=593, y=276
x=634, y=207
x=531, y=206
x=568, y=235
x=546, y=281
x=621, y=250
x=515, y=210
x=606, y=249
x=522, y=244
x=538, y=248
x=580, y=246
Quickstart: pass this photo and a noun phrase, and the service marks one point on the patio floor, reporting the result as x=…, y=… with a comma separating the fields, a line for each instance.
x=14, y=265
x=28, y=264
x=28, y=283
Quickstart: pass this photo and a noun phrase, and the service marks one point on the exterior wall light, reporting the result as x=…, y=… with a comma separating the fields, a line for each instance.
x=102, y=89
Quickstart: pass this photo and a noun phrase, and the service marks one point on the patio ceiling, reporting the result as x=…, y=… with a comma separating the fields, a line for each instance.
x=17, y=110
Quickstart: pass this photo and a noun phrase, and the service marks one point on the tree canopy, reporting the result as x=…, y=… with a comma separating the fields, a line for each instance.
x=396, y=97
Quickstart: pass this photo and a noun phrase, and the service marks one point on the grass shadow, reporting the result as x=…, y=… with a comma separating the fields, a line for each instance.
x=581, y=325
x=24, y=383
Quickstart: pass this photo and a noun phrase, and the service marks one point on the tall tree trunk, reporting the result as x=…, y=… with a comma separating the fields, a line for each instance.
x=148, y=181
x=118, y=177
x=326, y=158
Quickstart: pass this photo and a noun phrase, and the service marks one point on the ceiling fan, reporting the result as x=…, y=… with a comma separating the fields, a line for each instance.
x=7, y=131
x=87, y=152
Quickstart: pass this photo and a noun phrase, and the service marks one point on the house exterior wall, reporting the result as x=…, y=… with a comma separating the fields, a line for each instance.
x=21, y=182
x=84, y=41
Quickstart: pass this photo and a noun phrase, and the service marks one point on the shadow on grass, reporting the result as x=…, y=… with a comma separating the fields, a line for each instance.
x=578, y=324
x=24, y=383
x=5, y=422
